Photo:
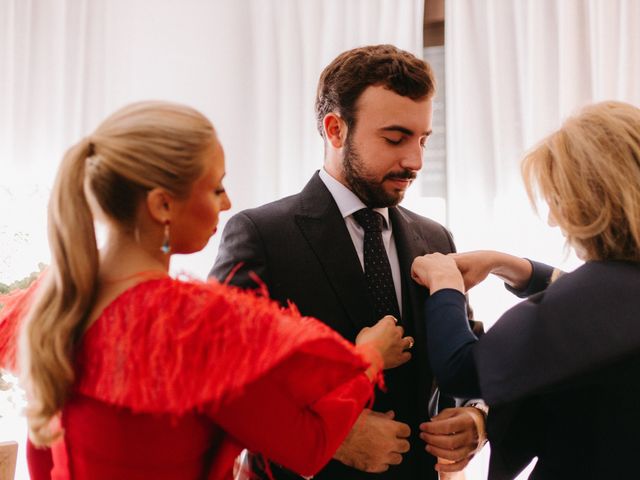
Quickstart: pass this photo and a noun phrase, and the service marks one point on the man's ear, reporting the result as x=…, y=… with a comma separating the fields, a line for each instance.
x=159, y=204
x=335, y=129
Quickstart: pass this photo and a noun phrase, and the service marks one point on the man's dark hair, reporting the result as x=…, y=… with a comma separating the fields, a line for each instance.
x=343, y=80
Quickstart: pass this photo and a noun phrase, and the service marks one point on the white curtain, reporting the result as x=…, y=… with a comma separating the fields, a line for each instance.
x=514, y=70
x=250, y=65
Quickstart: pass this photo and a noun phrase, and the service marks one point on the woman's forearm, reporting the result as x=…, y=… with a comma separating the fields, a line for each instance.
x=515, y=271
x=450, y=344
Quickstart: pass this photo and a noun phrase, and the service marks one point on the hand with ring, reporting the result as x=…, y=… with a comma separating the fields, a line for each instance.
x=387, y=337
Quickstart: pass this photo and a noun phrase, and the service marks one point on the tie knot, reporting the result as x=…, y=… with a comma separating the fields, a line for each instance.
x=369, y=220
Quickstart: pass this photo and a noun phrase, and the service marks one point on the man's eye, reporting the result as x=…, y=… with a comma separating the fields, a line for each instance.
x=392, y=141
x=219, y=191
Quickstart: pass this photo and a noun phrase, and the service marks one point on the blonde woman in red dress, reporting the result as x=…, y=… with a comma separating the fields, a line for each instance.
x=131, y=374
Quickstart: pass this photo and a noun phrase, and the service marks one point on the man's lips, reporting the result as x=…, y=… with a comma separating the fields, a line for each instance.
x=400, y=182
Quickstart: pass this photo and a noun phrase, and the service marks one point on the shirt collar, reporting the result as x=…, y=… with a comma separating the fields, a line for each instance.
x=347, y=201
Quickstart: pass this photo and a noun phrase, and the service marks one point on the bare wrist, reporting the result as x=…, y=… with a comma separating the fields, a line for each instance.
x=515, y=271
x=454, y=282
x=479, y=412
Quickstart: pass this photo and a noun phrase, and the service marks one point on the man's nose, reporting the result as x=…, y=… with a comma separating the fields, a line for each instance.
x=414, y=158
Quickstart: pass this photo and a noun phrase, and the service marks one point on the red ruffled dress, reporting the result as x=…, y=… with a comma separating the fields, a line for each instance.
x=175, y=378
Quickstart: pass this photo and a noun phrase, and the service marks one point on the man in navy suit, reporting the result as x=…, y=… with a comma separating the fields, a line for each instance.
x=374, y=111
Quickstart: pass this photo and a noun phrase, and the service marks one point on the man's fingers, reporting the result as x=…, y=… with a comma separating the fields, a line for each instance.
x=402, y=430
x=454, y=440
x=402, y=447
x=447, y=413
x=450, y=442
x=456, y=455
x=448, y=425
x=453, y=467
x=394, y=459
x=384, y=443
x=445, y=427
x=378, y=468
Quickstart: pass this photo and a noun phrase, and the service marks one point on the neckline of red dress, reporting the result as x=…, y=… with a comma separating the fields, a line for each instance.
x=146, y=274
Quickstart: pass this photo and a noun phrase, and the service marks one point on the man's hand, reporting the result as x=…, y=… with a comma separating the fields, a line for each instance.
x=375, y=442
x=454, y=435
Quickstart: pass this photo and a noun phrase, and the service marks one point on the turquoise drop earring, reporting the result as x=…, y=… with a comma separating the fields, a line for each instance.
x=166, y=246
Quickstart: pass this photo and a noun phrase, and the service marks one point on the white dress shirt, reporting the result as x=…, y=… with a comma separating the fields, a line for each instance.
x=349, y=203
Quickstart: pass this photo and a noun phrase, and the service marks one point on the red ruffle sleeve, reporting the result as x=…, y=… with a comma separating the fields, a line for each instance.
x=172, y=346
x=14, y=307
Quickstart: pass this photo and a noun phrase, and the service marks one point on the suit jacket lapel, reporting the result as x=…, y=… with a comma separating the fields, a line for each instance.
x=409, y=244
x=324, y=228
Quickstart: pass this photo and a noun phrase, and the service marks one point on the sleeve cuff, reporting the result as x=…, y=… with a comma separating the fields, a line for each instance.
x=541, y=275
x=448, y=295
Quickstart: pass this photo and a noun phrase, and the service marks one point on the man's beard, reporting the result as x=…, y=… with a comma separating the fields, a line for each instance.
x=370, y=191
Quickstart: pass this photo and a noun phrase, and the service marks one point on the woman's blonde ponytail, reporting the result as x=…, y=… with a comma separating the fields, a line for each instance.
x=58, y=317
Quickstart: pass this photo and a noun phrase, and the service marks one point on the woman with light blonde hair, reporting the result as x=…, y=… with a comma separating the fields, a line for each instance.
x=561, y=370
x=131, y=374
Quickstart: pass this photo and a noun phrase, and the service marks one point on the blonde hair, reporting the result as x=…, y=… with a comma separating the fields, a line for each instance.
x=140, y=147
x=589, y=174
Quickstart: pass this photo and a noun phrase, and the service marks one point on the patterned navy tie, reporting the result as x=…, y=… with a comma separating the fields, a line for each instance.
x=377, y=270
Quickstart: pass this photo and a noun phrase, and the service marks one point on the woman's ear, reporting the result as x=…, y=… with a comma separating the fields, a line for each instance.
x=159, y=205
x=335, y=129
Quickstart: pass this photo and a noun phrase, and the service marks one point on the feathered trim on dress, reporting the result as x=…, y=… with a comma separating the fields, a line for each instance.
x=171, y=346
x=14, y=307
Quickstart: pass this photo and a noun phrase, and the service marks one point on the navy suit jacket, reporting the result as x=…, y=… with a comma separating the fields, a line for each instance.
x=561, y=373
